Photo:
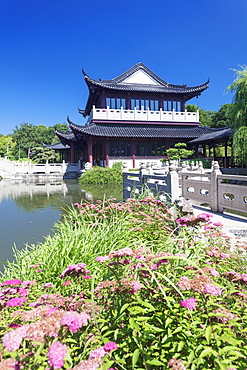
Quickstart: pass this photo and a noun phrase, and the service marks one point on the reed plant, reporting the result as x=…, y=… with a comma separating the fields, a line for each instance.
x=125, y=286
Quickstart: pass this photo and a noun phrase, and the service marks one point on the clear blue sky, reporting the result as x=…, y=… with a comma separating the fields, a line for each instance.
x=45, y=43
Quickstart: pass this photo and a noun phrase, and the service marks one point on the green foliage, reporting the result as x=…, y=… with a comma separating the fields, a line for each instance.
x=6, y=146
x=138, y=296
x=239, y=106
x=179, y=151
x=224, y=117
x=63, y=127
x=28, y=136
x=239, y=146
x=205, y=163
x=43, y=154
x=205, y=115
x=118, y=166
x=102, y=175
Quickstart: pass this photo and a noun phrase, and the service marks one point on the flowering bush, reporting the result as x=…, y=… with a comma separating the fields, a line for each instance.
x=177, y=300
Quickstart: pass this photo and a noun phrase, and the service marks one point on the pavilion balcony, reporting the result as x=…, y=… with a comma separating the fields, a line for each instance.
x=143, y=115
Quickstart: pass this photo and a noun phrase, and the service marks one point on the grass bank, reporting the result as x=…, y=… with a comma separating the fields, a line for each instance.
x=125, y=286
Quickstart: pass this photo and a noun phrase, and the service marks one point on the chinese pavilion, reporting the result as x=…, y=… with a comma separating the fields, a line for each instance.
x=133, y=118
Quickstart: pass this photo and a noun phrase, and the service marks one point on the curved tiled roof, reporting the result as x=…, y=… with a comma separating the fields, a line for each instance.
x=148, y=83
x=222, y=133
x=138, y=131
x=159, y=84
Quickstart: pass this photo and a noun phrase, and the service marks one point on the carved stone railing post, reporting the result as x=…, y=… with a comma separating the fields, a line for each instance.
x=142, y=172
x=47, y=169
x=214, y=187
x=184, y=167
x=200, y=167
x=173, y=182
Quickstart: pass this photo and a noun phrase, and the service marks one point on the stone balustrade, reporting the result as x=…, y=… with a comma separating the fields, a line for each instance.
x=205, y=187
x=144, y=115
x=21, y=170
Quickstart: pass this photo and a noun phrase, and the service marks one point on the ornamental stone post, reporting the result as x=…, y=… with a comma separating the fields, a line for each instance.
x=173, y=183
x=214, y=187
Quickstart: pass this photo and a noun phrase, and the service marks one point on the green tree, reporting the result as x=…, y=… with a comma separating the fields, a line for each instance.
x=179, y=151
x=6, y=146
x=44, y=135
x=205, y=116
x=239, y=106
x=24, y=137
x=239, y=146
x=43, y=154
x=224, y=117
x=63, y=127
x=28, y=136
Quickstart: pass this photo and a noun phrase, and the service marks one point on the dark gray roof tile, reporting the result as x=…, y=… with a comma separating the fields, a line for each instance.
x=222, y=133
x=139, y=131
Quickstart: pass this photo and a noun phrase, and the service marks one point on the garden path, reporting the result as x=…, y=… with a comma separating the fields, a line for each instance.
x=234, y=226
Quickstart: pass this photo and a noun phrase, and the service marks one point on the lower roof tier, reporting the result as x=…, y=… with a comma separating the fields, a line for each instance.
x=111, y=130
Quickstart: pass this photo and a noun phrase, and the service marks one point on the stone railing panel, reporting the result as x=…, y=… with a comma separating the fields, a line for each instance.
x=143, y=115
x=232, y=195
x=196, y=187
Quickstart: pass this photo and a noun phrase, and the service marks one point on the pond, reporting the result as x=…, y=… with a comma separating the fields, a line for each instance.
x=29, y=210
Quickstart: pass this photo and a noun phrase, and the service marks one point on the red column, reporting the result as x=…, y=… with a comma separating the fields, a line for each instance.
x=128, y=101
x=107, y=153
x=133, y=153
x=90, y=150
x=72, y=153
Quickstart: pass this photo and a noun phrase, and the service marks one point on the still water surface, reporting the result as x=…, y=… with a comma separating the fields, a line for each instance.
x=28, y=210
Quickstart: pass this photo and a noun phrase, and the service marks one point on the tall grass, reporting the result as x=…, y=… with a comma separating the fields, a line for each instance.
x=157, y=293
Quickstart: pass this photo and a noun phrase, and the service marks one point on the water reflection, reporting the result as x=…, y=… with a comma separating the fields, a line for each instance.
x=28, y=210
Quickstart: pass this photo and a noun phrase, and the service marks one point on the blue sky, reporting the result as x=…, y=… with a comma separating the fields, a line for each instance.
x=45, y=43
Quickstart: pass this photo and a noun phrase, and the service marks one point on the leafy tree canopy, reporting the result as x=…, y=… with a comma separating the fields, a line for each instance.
x=6, y=146
x=239, y=146
x=63, y=127
x=239, y=106
x=205, y=115
x=224, y=116
x=28, y=136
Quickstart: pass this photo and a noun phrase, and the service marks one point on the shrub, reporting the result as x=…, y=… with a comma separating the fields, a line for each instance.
x=179, y=151
x=101, y=175
x=117, y=165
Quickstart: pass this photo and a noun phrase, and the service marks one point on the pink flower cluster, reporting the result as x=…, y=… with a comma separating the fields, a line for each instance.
x=17, y=288
x=11, y=282
x=76, y=270
x=186, y=284
x=185, y=221
x=75, y=320
x=102, y=351
x=12, y=339
x=17, y=301
x=212, y=289
x=115, y=254
x=236, y=276
x=56, y=354
x=49, y=323
x=189, y=303
x=214, y=252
